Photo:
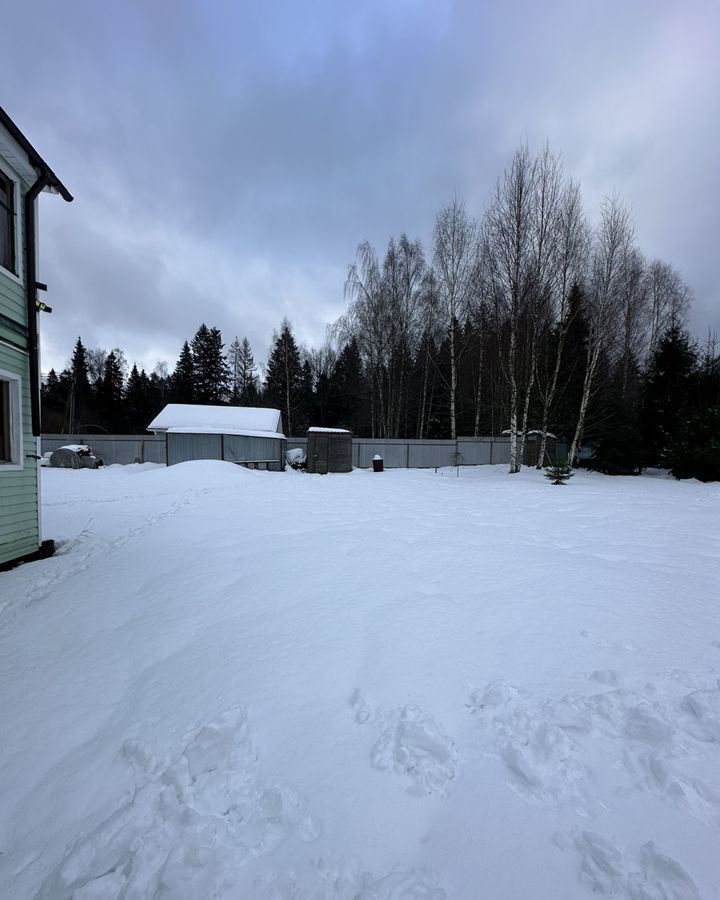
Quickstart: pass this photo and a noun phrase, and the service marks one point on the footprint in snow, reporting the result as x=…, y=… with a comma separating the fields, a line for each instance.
x=411, y=744
x=603, y=869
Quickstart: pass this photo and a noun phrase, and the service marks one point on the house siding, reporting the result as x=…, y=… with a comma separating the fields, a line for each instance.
x=19, y=514
x=19, y=533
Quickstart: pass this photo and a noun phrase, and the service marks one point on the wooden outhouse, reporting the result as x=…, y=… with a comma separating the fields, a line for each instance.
x=329, y=450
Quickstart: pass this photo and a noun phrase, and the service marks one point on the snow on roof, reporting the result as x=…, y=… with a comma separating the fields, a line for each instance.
x=329, y=430
x=191, y=419
x=533, y=431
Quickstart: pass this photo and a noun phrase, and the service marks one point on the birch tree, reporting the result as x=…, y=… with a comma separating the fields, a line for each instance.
x=668, y=300
x=508, y=232
x=455, y=247
x=367, y=322
x=610, y=254
x=571, y=249
x=545, y=233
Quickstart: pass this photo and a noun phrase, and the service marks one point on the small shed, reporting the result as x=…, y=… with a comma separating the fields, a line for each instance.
x=248, y=436
x=329, y=450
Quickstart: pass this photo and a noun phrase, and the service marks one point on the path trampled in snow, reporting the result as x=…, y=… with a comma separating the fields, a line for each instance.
x=409, y=685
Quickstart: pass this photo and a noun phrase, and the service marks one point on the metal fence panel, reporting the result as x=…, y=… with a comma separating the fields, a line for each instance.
x=394, y=453
x=501, y=452
x=429, y=454
x=476, y=452
x=130, y=448
x=113, y=449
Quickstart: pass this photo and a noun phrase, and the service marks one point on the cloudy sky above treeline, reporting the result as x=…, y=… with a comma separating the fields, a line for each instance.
x=227, y=158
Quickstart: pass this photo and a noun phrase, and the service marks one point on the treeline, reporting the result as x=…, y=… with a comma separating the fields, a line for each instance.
x=525, y=318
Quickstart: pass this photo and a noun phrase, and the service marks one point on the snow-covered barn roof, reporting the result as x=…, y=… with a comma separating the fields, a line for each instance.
x=187, y=418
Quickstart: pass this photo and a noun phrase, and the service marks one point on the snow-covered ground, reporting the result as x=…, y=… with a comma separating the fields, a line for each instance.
x=409, y=685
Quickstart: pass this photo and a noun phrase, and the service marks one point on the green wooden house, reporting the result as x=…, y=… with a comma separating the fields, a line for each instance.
x=23, y=176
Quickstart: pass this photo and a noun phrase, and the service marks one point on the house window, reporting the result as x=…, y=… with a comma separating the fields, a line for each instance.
x=10, y=423
x=7, y=223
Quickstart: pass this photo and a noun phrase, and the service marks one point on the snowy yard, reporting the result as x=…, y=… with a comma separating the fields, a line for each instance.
x=239, y=685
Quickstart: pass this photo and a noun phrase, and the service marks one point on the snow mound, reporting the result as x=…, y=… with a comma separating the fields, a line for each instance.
x=186, y=827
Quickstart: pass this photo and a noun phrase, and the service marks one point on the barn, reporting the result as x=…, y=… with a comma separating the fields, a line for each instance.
x=248, y=436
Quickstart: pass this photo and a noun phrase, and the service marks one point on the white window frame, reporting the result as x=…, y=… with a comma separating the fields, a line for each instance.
x=14, y=180
x=17, y=462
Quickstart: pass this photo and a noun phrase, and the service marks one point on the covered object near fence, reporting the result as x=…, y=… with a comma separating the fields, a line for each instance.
x=245, y=435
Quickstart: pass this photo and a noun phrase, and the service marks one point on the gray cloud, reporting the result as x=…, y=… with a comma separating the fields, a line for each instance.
x=227, y=158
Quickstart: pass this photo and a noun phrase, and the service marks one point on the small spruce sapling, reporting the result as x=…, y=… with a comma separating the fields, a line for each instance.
x=559, y=473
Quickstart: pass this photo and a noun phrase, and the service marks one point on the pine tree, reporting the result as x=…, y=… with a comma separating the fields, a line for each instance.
x=183, y=378
x=284, y=378
x=210, y=369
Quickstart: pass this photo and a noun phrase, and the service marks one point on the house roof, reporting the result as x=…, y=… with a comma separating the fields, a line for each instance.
x=36, y=161
x=195, y=419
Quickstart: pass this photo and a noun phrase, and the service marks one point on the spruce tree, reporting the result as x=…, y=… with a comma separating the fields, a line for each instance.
x=559, y=473
x=80, y=399
x=183, y=378
x=210, y=369
x=53, y=394
x=347, y=391
x=136, y=401
x=668, y=396
x=109, y=395
x=248, y=375
x=233, y=359
x=284, y=378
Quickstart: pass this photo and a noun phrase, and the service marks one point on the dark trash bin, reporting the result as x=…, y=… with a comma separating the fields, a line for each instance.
x=377, y=463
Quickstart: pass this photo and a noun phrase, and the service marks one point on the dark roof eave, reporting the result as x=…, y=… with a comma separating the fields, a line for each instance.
x=36, y=161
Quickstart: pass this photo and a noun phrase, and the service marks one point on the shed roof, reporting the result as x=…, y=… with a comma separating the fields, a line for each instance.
x=194, y=419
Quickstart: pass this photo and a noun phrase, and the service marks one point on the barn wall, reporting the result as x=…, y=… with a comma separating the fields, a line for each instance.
x=184, y=447
x=240, y=448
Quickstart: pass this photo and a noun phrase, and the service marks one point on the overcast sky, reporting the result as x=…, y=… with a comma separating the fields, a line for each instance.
x=227, y=158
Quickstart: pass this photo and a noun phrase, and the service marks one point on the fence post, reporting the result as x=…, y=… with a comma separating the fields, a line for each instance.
x=407, y=455
x=492, y=444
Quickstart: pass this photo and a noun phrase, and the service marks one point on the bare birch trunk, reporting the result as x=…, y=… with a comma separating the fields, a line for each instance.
x=515, y=463
x=453, y=382
x=549, y=399
x=593, y=357
x=478, y=395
